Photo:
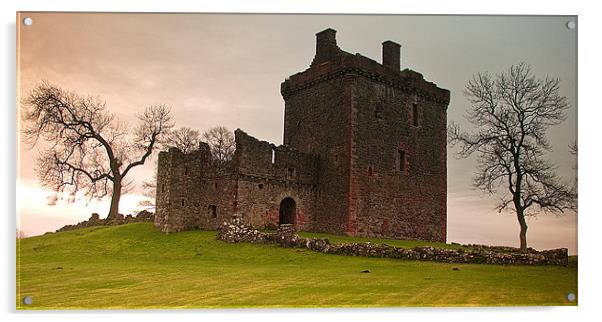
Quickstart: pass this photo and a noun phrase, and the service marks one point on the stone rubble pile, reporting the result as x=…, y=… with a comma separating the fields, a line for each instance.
x=237, y=231
x=142, y=216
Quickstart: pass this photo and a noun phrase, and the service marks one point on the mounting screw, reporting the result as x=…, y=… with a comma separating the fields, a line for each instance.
x=27, y=21
x=571, y=297
x=571, y=25
x=27, y=300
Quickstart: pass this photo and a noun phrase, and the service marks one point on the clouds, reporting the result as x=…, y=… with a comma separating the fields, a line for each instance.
x=36, y=216
x=473, y=219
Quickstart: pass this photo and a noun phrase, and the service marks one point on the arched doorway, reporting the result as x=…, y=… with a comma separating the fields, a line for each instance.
x=288, y=211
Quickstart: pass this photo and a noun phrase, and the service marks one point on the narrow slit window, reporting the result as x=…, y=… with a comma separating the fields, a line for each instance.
x=402, y=160
x=273, y=156
x=185, y=170
x=183, y=202
x=415, y=114
x=163, y=187
x=378, y=113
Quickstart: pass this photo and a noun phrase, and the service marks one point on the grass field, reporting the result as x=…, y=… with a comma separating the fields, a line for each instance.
x=135, y=266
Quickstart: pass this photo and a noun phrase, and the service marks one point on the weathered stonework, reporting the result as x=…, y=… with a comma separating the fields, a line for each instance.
x=364, y=154
x=236, y=231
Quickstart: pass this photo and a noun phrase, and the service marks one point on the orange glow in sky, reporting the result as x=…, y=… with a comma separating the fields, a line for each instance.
x=227, y=69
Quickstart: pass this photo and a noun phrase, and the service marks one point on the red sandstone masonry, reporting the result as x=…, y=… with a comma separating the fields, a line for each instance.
x=347, y=117
x=396, y=205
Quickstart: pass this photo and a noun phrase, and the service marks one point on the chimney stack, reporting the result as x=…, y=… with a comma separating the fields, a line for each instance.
x=326, y=46
x=391, y=55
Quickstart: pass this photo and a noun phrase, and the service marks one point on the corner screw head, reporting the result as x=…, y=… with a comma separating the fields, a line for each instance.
x=28, y=21
x=571, y=297
x=27, y=300
x=571, y=24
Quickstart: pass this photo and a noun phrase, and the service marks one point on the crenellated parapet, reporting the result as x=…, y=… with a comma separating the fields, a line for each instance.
x=263, y=160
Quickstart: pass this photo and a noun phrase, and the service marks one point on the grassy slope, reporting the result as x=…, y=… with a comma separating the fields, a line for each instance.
x=135, y=266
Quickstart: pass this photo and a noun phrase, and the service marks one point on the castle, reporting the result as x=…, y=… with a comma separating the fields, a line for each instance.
x=364, y=154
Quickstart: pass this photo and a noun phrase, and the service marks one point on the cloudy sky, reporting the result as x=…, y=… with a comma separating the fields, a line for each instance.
x=227, y=69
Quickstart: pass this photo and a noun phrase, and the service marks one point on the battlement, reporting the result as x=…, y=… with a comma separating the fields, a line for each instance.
x=331, y=62
x=265, y=160
x=198, y=162
x=252, y=158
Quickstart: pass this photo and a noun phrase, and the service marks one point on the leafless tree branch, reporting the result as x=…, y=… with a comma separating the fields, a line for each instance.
x=511, y=113
x=88, y=146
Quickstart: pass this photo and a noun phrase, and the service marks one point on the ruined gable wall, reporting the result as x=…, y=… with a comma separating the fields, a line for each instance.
x=162, y=198
x=188, y=186
x=263, y=184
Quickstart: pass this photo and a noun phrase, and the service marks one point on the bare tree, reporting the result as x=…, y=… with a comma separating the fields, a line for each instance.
x=185, y=139
x=573, y=150
x=511, y=113
x=21, y=234
x=220, y=140
x=149, y=190
x=222, y=144
x=90, y=151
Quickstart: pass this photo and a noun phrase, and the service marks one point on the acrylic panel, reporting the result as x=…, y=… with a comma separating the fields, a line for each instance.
x=301, y=161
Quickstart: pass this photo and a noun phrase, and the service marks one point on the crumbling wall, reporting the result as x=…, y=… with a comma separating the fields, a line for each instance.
x=267, y=174
x=236, y=231
x=192, y=193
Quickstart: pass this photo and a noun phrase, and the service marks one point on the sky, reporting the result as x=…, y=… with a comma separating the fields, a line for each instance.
x=227, y=69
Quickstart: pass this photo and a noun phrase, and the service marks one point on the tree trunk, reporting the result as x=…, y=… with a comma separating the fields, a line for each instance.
x=114, y=210
x=523, y=230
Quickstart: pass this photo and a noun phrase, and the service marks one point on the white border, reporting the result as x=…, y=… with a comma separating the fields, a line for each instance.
x=589, y=118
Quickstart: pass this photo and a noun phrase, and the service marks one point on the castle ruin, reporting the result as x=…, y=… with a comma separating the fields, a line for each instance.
x=364, y=154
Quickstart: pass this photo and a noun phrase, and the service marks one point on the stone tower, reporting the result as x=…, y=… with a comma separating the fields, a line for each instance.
x=364, y=154
x=380, y=136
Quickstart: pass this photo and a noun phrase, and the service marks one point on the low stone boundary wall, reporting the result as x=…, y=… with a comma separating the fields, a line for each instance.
x=236, y=231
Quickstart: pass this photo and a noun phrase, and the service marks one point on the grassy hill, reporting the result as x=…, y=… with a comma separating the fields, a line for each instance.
x=135, y=266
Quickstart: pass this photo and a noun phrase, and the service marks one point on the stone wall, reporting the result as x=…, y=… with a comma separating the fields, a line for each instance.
x=408, y=200
x=192, y=191
x=357, y=115
x=348, y=123
x=267, y=174
x=316, y=122
x=235, y=231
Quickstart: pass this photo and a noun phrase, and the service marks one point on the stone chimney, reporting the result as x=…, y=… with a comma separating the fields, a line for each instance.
x=391, y=55
x=326, y=46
